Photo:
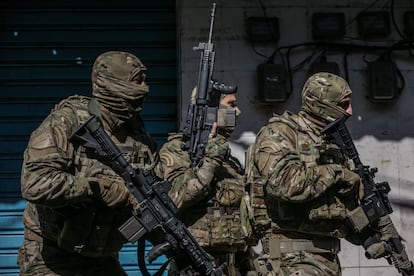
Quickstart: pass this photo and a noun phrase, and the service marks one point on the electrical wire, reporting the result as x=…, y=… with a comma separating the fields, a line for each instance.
x=364, y=10
x=394, y=23
x=257, y=52
x=262, y=7
x=346, y=71
x=346, y=48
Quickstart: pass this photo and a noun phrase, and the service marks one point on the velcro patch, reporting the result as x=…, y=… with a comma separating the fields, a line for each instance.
x=42, y=139
x=167, y=160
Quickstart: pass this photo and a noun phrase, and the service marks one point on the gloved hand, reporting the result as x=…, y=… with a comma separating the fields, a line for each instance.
x=113, y=192
x=330, y=154
x=375, y=248
x=217, y=148
x=348, y=181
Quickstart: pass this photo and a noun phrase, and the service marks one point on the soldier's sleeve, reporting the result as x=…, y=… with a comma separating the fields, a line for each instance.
x=289, y=178
x=47, y=175
x=230, y=184
x=189, y=185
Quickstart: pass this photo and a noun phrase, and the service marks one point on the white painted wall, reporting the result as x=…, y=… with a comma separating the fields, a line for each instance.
x=383, y=133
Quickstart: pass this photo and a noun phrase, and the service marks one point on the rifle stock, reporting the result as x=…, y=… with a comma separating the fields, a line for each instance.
x=375, y=206
x=157, y=211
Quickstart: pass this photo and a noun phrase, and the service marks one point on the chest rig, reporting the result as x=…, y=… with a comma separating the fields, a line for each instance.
x=138, y=154
x=219, y=228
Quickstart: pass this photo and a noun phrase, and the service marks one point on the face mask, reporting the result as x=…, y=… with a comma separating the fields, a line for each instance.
x=113, y=87
x=321, y=96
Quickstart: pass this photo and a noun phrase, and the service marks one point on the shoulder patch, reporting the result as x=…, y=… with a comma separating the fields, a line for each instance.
x=42, y=139
x=167, y=159
x=83, y=115
x=269, y=146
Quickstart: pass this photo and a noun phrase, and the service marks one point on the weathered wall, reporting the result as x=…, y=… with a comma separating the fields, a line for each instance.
x=383, y=133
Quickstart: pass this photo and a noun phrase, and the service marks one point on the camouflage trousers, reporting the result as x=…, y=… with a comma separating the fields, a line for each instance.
x=237, y=264
x=38, y=258
x=302, y=263
x=290, y=254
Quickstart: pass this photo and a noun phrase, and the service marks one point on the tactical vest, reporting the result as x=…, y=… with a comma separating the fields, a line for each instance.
x=255, y=219
x=90, y=228
x=324, y=216
x=219, y=229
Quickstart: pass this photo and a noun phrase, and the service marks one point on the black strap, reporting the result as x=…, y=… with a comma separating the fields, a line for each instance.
x=141, y=257
x=141, y=260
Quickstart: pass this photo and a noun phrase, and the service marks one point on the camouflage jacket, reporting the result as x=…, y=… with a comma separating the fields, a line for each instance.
x=61, y=207
x=208, y=196
x=300, y=173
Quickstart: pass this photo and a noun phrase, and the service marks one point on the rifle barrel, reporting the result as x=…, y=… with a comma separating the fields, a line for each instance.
x=213, y=13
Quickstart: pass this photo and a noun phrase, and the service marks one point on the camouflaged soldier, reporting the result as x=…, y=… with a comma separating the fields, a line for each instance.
x=208, y=195
x=305, y=184
x=75, y=204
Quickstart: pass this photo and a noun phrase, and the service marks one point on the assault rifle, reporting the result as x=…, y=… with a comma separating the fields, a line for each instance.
x=204, y=110
x=157, y=211
x=374, y=208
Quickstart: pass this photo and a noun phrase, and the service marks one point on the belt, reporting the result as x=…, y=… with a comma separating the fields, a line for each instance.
x=318, y=245
x=328, y=245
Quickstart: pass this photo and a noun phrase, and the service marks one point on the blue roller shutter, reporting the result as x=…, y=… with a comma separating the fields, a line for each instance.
x=46, y=52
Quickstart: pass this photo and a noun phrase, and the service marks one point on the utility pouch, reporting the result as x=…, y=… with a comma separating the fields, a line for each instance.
x=357, y=219
x=229, y=192
x=220, y=229
x=253, y=207
x=268, y=262
x=332, y=211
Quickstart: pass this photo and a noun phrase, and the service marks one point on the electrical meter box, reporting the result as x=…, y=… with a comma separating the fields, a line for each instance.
x=272, y=83
x=383, y=83
x=374, y=24
x=328, y=25
x=262, y=29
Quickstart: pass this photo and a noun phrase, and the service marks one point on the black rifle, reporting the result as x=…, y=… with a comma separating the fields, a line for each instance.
x=374, y=208
x=157, y=211
x=203, y=112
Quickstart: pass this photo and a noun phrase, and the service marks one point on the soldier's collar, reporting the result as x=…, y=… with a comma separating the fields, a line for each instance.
x=310, y=127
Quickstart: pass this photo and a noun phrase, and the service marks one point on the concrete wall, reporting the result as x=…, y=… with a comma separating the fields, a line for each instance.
x=383, y=133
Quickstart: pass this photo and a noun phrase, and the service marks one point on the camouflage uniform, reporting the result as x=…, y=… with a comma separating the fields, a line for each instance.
x=208, y=197
x=301, y=187
x=75, y=204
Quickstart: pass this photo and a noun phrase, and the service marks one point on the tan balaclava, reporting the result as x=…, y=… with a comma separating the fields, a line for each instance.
x=321, y=96
x=119, y=98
